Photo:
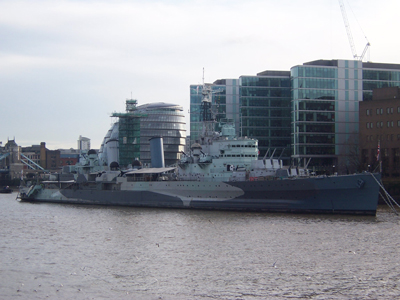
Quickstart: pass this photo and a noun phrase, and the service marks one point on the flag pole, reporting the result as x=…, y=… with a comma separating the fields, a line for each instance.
x=378, y=156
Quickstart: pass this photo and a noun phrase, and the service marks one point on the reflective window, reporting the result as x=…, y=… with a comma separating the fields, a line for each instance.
x=317, y=94
x=371, y=85
x=317, y=72
x=381, y=75
x=317, y=83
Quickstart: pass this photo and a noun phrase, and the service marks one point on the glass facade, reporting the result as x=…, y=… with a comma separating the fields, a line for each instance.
x=325, y=113
x=316, y=104
x=258, y=105
x=265, y=111
x=378, y=78
x=167, y=121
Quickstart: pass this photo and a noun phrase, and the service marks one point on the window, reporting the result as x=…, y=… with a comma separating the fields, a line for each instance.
x=372, y=125
x=388, y=110
x=388, y=124
x=377, y=124
x=391, y=110
x=377, y=111
x=381, y=111
x=367, y=125
x=398, y=123
x=398, y=109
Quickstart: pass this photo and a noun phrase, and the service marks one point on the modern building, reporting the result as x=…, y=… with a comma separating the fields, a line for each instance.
x=325, y=111
x=128, y=138
x=323, y=119
x=258, y=105
x=265, y=111
x=83, y=143
x=325, y=96
x=380, y=132
x=162, y=120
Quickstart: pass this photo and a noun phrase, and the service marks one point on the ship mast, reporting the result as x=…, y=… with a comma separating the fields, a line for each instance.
x=208, y=114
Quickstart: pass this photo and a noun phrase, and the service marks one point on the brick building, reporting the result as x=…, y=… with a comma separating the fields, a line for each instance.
x=380, y=125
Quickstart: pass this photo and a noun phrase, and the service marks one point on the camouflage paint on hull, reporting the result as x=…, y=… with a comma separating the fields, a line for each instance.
x=352, y=194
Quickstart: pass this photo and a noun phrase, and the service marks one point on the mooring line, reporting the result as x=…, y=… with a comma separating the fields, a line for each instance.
x=388, y=197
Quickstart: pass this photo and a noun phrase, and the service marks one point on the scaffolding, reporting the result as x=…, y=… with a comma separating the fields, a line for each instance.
x=129, y=133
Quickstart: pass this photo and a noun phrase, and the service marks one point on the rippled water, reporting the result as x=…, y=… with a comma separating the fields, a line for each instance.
x=91, y=252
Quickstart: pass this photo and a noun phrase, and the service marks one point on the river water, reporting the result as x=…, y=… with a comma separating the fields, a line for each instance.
x=58, y=251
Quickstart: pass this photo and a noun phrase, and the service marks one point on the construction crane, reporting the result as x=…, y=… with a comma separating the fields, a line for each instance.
x=350, y=36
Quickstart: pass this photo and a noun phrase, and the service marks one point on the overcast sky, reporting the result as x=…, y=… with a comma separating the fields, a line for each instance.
x=65, y=66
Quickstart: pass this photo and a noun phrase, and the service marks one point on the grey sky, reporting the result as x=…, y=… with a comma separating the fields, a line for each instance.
x=65, y=66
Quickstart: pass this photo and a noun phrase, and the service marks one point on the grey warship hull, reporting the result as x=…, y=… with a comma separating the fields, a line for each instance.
x=347, y=194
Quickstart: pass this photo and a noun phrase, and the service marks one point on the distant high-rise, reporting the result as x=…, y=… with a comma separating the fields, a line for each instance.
x=83, y=143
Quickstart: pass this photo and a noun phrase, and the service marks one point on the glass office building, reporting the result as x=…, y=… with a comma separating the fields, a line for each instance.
x=325, y=97
x=258, y=105
x=325, y=114
x=379, y=75
x=265, y=111
x=311, y=109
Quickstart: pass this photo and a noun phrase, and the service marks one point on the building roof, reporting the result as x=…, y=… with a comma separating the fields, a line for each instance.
x=371, y=65
x=274, y=73
x=365, y=65
x=159, y=105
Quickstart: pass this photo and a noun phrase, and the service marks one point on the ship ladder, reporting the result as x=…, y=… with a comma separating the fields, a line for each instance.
x=386, y=197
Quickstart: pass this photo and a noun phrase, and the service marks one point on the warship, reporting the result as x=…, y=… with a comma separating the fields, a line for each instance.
x=221, y=171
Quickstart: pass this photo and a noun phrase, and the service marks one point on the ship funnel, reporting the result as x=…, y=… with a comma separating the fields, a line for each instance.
x=157, y=152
